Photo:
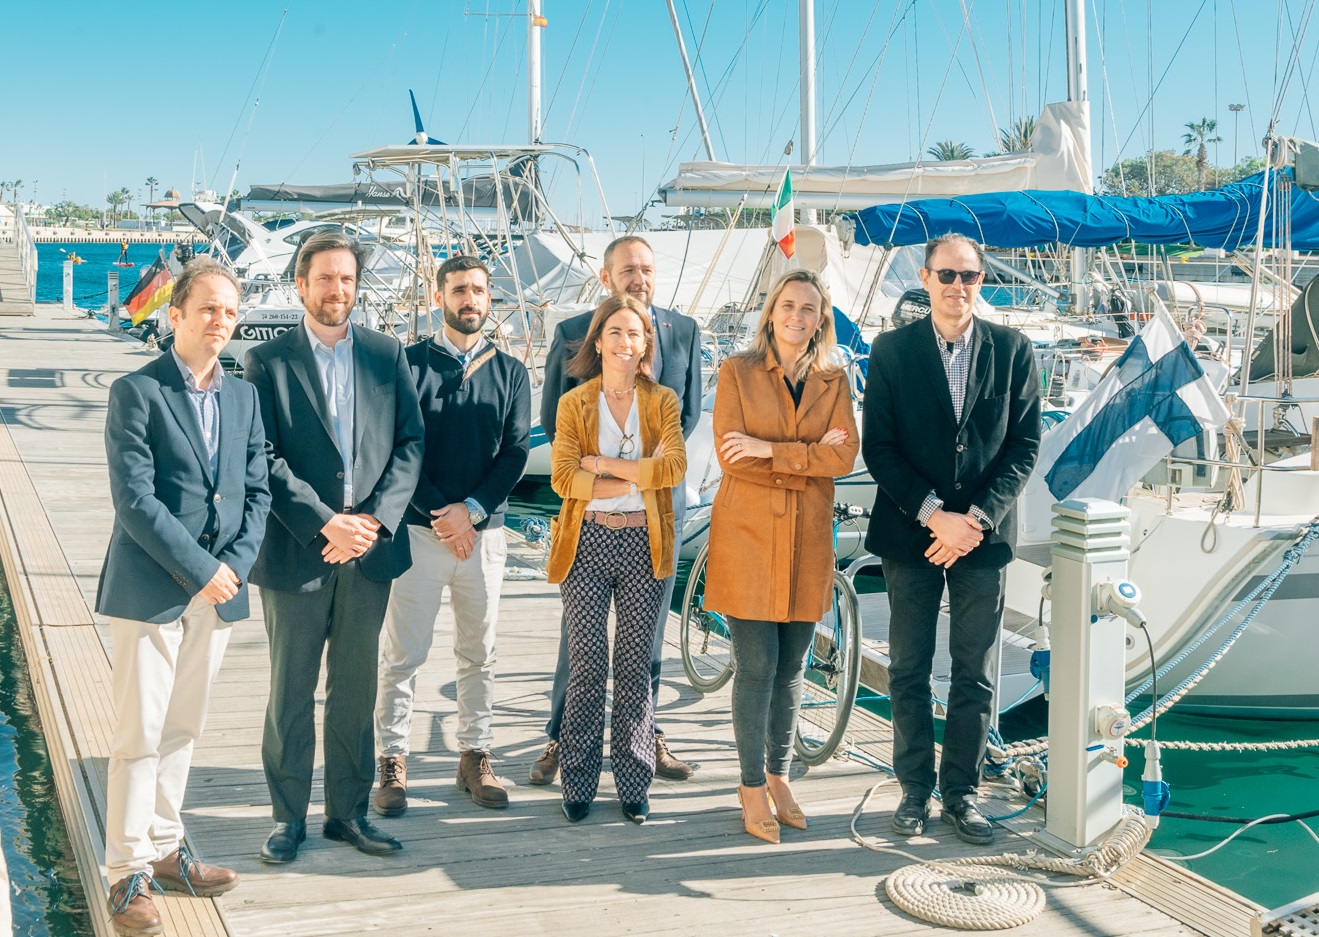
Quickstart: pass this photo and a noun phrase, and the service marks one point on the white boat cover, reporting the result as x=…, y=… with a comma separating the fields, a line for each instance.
x=1056, y=160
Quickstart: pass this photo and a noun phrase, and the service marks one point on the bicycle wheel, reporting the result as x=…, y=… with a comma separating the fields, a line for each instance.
x=833, y=670
x=707, y=647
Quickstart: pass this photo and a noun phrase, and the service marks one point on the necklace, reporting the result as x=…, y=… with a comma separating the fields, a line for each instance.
x=617, y=394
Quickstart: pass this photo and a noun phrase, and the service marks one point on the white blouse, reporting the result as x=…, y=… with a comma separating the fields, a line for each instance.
x=611, y=443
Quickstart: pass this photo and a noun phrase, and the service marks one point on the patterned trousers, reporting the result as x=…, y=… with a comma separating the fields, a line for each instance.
x=611, y=565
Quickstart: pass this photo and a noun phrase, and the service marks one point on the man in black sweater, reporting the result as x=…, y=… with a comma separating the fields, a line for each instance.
x=476, y=407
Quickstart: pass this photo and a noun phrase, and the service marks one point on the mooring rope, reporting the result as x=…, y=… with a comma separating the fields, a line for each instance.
x=991, y=892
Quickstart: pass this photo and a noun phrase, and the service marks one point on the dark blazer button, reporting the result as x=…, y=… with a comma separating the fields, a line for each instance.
x=957, y=485
x=339, y=475
x=961, y=447
x=206, y=538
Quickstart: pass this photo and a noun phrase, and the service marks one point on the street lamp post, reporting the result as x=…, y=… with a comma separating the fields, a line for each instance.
x=1236, y=110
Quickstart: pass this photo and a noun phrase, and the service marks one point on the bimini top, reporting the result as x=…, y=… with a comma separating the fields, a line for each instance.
x=1227, y=218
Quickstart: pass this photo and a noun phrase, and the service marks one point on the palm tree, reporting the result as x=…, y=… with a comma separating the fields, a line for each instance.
x=115, y=200
x=1199, y=139
x=152, y=182
x=947, y=149
x=1016, y=137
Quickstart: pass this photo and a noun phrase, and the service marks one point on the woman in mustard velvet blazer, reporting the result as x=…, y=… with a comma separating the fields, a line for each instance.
x=618, y=452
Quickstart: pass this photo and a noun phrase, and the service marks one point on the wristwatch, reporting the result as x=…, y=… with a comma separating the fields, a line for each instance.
x=632, y=487
x=474, y=508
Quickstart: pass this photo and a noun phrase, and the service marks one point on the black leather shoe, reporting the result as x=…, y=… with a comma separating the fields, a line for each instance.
x=637, y=812
x=362, y=836
x=283, y=842
x=576, y=810
x=969, y=823
x=909, y=819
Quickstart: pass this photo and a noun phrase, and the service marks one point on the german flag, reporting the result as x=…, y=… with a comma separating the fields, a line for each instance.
x=153, y=290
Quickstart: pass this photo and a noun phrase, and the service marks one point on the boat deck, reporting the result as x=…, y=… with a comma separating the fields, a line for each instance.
x=522, y=871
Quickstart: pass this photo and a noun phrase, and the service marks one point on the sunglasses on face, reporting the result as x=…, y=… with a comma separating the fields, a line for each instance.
x=969, y=277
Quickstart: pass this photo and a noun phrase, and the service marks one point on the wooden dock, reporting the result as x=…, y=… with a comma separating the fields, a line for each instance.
x=523, y=871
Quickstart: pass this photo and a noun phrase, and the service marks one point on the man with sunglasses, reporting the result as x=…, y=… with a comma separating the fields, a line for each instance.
x=950, y=433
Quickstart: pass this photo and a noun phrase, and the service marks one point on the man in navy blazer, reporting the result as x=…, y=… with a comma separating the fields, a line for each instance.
x=950, y=431
x=629, y=267
x=185, y=454
x=344, y=447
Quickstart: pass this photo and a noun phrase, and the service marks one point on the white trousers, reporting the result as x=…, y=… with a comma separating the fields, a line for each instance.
x=161, y=679
x=409, y=630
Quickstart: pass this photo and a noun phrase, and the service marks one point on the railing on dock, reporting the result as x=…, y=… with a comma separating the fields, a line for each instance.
x=27, y=252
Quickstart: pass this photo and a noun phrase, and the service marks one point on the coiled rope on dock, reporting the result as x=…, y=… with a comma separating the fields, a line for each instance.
x=993, y=892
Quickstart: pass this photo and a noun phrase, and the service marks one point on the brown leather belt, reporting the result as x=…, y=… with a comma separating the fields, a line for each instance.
x=617, y=520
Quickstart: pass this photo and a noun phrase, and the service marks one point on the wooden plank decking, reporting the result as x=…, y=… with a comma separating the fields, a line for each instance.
x=690, y=870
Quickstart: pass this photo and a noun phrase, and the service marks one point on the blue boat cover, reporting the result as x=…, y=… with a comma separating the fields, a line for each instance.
x=1226, y=217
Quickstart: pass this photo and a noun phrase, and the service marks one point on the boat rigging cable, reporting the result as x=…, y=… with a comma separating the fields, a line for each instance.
x=258, y=85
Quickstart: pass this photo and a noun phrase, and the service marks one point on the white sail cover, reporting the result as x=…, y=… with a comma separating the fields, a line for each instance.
x=1057, y=160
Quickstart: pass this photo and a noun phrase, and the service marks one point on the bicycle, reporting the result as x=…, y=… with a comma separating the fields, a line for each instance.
x=833, y=663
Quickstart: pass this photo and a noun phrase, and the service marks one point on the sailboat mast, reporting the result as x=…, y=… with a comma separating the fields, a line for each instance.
x=807, y=55
x=691, y=83
x=1077, y=93
x=533, y=70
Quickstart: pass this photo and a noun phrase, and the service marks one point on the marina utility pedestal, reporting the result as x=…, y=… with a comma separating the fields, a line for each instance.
x=1087, y=719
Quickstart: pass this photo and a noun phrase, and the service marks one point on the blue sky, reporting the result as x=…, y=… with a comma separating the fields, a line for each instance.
x=117, y=92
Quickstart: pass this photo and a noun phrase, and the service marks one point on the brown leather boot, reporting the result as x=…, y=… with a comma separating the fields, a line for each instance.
x=392, y=795
x=180, y=871
x=669, y=766
x=131, y=909
x=546, y=768
x=474, y=775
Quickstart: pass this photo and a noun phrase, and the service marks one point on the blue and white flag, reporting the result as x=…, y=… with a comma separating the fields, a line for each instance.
x=1155, y=397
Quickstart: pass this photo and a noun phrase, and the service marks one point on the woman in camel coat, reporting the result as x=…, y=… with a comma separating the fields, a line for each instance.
x=785, y=427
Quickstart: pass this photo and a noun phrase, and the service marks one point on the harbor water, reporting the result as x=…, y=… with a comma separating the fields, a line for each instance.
x=89, y=277
x=45, y=894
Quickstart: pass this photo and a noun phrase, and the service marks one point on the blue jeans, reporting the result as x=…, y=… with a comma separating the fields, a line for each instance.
x=769, y=666
x=975, y=609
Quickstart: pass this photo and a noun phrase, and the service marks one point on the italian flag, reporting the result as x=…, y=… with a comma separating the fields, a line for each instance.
x=781, y=216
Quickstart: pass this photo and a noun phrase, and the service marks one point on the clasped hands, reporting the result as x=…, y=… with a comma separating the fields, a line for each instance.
x=348, y=536
x=955, y=535
x=453, y=525
x=737, y=446
x=224, y=585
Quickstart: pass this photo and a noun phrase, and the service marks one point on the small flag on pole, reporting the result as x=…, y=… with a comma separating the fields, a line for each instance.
x=540, y=21
x=781, y=215
x=152, y=291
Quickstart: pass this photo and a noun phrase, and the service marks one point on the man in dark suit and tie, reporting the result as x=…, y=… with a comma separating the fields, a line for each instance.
x=344, y=444
x=950, y=433
x=629, y=267
x=185, y=454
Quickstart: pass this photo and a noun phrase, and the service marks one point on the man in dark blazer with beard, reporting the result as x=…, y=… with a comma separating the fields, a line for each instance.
x=344, y=446
x=950, y=432
x=629, y=268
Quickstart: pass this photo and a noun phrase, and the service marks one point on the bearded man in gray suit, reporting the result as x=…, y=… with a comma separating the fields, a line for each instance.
x=344, y=447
